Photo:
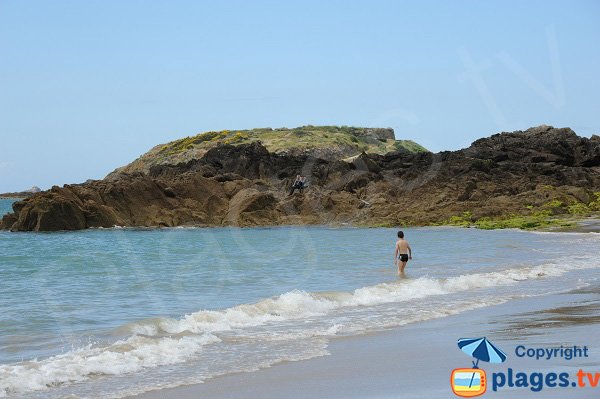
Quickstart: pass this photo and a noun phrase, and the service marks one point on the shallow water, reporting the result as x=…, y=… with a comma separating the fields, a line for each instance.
x=119, y=311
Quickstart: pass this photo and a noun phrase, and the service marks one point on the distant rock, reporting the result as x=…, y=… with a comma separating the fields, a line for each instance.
x=325, y=142
x=22, y=194
x=510, y=173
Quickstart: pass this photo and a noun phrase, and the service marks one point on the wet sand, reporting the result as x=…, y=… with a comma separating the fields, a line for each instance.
x=415, y=361
x=586, y=225
x=589, y=225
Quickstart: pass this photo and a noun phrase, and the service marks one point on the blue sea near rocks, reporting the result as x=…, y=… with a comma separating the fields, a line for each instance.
x=115, y=312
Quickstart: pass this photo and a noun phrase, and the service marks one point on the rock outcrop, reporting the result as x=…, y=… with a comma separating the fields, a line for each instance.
x=246, y=185
x=21, y=194
x=325, y=142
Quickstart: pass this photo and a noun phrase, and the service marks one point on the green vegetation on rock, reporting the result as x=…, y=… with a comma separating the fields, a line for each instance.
x=322, y=141
x=535, y=220
x=545, y=216
x=409, y=145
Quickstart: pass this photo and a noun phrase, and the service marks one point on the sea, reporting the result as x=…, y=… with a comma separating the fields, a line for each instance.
x=116, y=312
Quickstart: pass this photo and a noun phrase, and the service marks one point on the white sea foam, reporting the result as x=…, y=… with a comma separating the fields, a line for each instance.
x=123, y=356
x=165, y=341
x=301, y=304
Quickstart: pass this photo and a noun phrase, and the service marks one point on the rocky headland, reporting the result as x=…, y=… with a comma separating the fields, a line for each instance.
x=21, y=194
x=530, y=175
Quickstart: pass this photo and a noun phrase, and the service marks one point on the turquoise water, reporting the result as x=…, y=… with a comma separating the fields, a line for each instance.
x=105, y=313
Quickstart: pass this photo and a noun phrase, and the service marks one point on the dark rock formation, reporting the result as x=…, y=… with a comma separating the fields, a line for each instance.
x=245, y=185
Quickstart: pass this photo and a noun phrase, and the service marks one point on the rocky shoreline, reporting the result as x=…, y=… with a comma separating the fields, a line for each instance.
x=542, y=171
x=13, y=196
x=20, y=194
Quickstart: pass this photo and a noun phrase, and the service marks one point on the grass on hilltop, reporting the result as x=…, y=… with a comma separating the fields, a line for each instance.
x=345, y=141
x=282, y=139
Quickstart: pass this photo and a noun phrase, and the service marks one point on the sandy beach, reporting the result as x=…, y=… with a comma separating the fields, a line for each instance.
x=586, y=225
x=415, y=361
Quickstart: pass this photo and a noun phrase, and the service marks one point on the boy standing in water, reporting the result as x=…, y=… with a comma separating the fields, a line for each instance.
x=403, y=253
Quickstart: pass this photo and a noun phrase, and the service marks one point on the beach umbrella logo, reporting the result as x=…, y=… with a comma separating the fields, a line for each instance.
x=469, y=382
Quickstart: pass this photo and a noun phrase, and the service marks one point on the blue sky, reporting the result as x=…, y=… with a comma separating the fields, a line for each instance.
x=87, y=86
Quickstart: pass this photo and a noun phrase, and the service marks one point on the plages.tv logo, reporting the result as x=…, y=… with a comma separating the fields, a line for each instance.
x=469, y=382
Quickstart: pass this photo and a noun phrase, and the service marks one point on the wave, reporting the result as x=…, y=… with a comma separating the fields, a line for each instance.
x=124, y=356
x=165, y=341
x=299, y=304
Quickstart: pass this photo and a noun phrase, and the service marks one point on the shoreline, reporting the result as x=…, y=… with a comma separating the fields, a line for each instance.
x=590, y=224
x=583, y=224
x=261, y=307
x=375, y=365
